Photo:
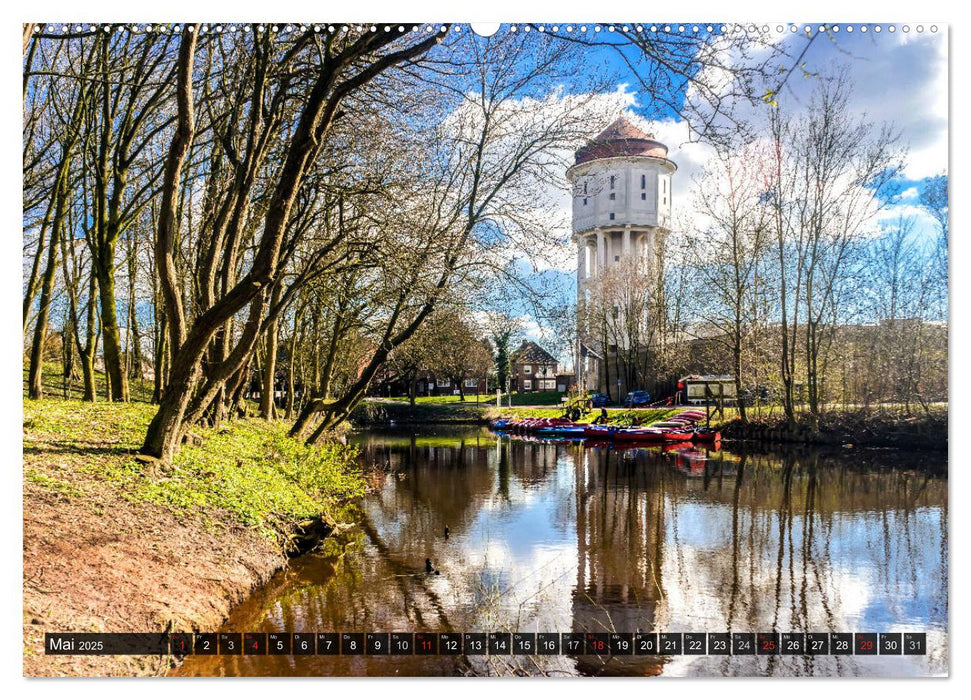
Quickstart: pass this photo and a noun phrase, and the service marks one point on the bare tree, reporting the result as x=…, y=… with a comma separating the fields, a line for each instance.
x=346, y=65
x=728, y=255
x=828, y=172
x=477, y=167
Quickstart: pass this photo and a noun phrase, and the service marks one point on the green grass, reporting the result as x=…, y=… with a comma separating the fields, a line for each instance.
x=52, y=381
x=529, y=398
x=468, y=436
x=774, y=412
x=383, y=412
x=616, y=416
x=60, y=486
x=248, y=472
x=526, y=412
x=254, y=471
x=435, y=400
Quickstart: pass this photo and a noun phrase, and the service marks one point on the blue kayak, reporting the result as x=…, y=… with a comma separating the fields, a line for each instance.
x=561, y=431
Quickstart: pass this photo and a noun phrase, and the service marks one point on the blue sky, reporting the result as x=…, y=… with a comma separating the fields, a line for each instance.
x=898, y=78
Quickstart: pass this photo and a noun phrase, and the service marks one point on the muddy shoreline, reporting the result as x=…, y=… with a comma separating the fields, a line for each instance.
x=136, y=568
x=108, y=547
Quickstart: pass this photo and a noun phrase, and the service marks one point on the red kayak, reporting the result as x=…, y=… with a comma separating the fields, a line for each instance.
x=653, y=434
x=530, y=425
x=706, y=435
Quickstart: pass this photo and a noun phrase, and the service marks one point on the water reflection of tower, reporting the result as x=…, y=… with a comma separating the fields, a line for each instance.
x=620, y=521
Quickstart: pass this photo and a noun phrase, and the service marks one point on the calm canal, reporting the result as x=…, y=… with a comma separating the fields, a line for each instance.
x=547, y=536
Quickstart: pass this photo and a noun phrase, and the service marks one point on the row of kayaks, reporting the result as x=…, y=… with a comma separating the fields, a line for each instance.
x=680, y=428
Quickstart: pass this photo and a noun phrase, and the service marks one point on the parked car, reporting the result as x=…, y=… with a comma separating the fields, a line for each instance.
x=599, y=400
x=637, y=398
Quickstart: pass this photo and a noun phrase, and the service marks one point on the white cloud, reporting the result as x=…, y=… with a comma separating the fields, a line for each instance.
x=900, y=80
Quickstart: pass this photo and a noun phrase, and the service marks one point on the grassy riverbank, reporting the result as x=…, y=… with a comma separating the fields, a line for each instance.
x=390, y=412
x=530, y=398
x=877, y=426
x=383, y=412
x=109, y=546
x=881, y=426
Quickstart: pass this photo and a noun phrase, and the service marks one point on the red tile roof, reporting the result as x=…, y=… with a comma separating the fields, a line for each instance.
x=621, y=129
x=621, y=138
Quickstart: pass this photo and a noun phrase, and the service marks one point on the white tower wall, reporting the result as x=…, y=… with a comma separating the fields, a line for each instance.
x=622, y=206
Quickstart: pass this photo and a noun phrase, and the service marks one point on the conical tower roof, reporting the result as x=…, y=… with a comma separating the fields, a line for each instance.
x=621, y=138
x=621, y=129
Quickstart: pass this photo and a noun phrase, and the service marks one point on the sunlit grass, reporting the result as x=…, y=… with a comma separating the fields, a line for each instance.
x=247, y=472
x=529, y=398
x=52, y=381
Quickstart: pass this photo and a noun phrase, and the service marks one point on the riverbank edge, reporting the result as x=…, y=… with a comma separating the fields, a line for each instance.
x=926, y=431
x=96, y=561
x=875, y=427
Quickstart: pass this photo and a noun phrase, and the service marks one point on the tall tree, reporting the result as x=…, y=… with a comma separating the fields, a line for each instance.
x=729, y=253
x=828, y=176
x=346, y=65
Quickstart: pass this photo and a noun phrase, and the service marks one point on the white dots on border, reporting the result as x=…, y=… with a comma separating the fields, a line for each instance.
x=288, y=30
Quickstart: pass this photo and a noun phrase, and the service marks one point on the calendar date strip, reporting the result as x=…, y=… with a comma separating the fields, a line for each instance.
x=489, y=643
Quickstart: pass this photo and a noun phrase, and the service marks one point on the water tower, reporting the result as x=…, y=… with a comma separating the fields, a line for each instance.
x=621, y=183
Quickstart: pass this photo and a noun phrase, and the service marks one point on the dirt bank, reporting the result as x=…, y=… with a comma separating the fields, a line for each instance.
x=132, y=568
x=108, y=549
x=378, y=412
x=922, y=431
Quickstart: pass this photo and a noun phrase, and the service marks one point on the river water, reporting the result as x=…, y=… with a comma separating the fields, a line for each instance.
x=572, y=537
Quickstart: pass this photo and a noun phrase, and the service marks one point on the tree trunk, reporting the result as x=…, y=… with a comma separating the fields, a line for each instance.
x=268, y=397
x=111, y=336
x=313, y=122
x=291, y=372
x=36, y=372
x=67, y=345
x=161, y=350
x=165, y=430
x=303, y=419
x=90, y=344
x=134, y=334
x=737, y=364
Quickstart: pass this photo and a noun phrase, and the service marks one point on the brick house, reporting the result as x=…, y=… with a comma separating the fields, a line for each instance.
x=533, y=369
